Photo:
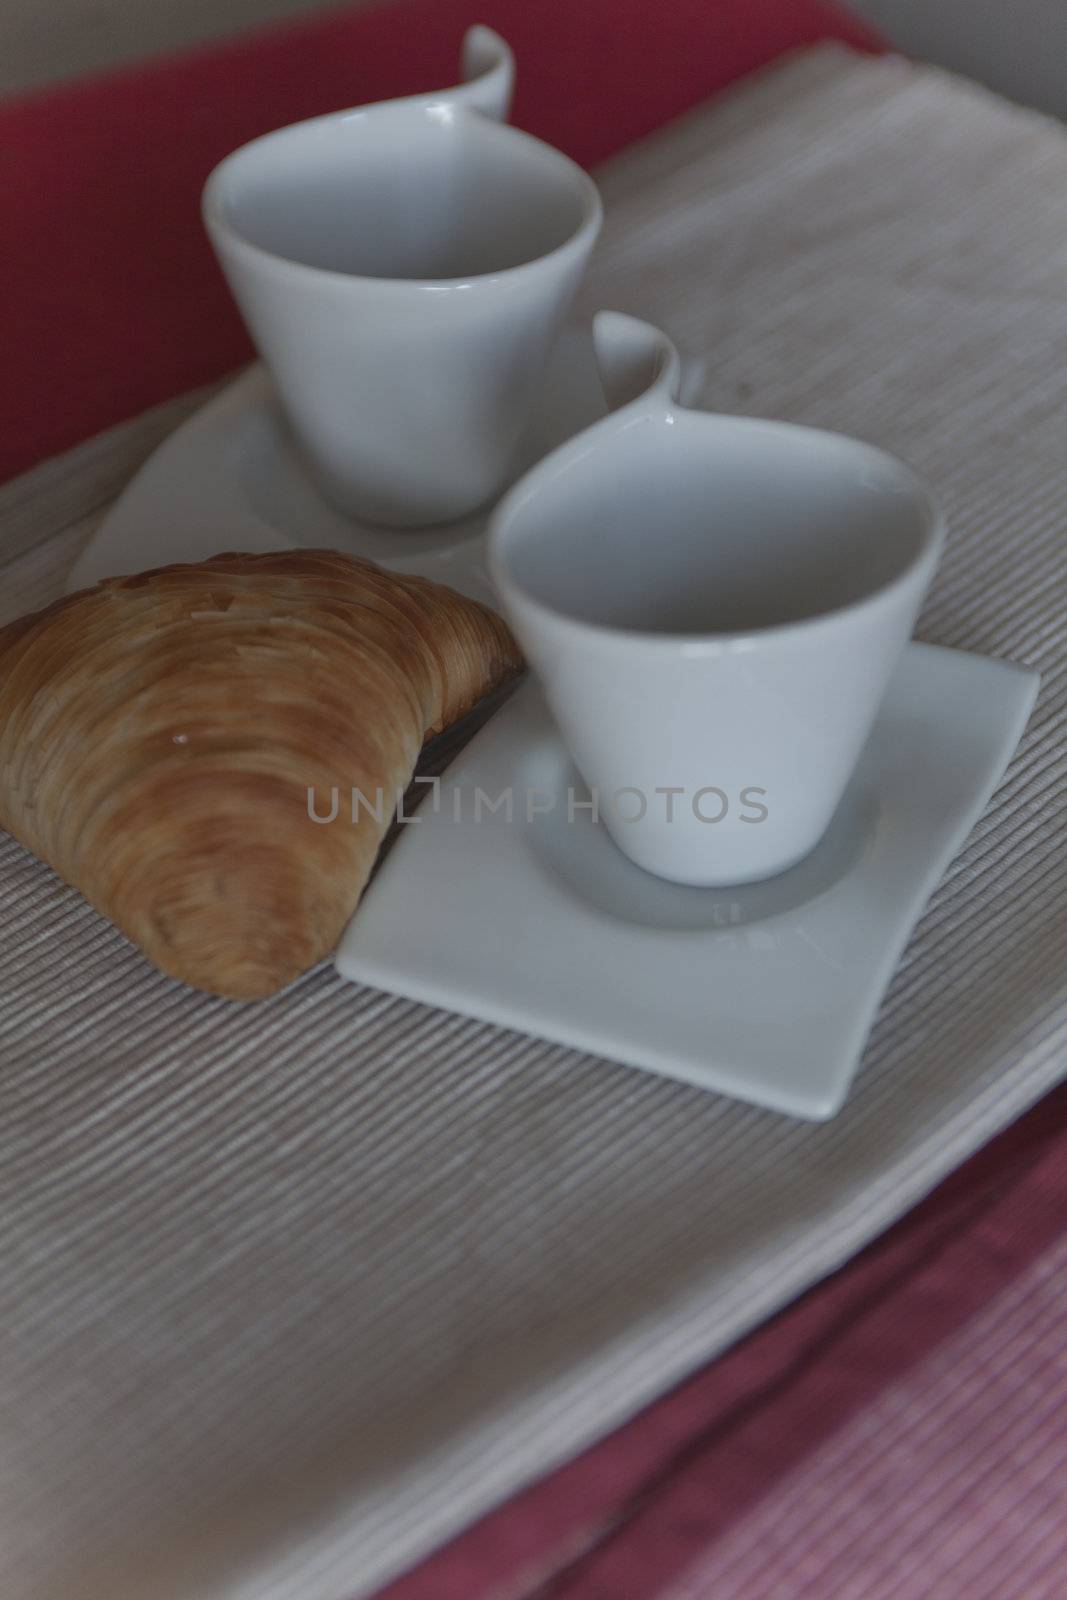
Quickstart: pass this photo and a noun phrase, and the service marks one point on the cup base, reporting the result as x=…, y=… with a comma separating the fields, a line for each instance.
x=374, y=513
x=715, y=879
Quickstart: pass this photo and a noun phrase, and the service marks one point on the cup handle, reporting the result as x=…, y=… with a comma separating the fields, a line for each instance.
x=488, y=68
x=638, y=365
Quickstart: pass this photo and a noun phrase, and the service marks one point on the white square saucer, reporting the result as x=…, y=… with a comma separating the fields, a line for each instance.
x=766, y=992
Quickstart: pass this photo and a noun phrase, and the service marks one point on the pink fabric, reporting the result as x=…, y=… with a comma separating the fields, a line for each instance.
x=953, y=1482
x=660, y=1497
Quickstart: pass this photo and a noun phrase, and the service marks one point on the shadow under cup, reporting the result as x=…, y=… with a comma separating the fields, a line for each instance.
x=403, y=271
x=715, y=606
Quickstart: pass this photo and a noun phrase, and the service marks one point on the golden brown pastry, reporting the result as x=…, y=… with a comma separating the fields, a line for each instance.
x=159, y=735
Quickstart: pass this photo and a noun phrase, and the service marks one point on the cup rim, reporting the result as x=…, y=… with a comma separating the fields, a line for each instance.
x=221, y=229
x=709, y=641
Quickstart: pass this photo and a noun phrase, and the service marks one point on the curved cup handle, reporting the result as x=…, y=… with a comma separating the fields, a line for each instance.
x=640, y=374
x=638, y=365
x=488, y=69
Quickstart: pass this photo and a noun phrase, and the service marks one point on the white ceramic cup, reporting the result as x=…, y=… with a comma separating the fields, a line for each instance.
x=714, y=606
x=403, y=269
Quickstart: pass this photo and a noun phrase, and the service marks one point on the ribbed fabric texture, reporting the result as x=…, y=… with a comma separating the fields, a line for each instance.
x=951, y=1483
x=290, y=1292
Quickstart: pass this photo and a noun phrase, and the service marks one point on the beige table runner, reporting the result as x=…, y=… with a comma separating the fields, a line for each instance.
x=290, y=1292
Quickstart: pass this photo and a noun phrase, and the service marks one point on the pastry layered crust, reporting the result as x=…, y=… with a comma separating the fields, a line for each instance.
x=159, y=736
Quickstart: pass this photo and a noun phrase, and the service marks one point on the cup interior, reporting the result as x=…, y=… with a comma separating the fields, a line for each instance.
x=429, y=192
x=693, y=524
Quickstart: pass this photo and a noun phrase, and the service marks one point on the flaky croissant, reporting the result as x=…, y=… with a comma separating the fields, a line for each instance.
x=159, y=736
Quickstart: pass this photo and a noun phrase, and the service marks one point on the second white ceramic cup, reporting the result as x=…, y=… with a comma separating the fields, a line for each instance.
x=714, y=606
x=404, y=269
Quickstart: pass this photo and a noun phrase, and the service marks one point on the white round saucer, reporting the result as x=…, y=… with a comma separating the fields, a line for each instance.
x=231, y=478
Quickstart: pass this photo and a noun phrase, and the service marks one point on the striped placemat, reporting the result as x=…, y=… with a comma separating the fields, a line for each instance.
x=289, y=1292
